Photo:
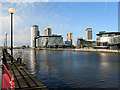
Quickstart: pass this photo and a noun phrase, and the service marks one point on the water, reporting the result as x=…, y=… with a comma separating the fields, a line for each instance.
x=67, y=69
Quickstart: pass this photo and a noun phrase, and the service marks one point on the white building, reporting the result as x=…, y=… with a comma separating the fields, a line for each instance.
x=108, y=40
x=48, y=41
x=34, y=34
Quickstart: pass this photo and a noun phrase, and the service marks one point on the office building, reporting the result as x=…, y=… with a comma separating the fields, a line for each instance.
x=69, y=37
x=48, y=32
x=53, y=41
x=108, y=40
x=89, y=34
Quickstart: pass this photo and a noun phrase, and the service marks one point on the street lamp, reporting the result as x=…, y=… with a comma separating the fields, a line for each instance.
x=11, y=10
x=4, y=43
x=6, y=39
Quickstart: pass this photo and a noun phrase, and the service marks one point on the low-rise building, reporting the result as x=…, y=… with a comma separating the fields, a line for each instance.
x=67, y=44
x=108, y=40
x=53, y=41
x=81, y=43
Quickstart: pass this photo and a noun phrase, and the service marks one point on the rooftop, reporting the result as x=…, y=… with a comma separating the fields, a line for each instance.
x=88, y=29
x=34, y=25
x=50, y=36
x=101, y=33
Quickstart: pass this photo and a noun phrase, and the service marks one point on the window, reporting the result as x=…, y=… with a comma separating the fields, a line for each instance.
x=104, y=35
x=110, y=35
x=104, y=44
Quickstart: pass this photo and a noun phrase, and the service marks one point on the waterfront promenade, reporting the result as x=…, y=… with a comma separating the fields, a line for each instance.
x=81, y=50
x=97, y=50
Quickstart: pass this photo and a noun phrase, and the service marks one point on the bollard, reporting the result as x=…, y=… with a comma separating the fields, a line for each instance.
x=19, y=60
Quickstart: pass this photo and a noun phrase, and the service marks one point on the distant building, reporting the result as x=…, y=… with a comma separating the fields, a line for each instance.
x=67, y=44
x=108, y=40
x=69, y=37
x=81, y=43
x=53, y=41
x=47, y=41
x=89, y=34
x=48, y=32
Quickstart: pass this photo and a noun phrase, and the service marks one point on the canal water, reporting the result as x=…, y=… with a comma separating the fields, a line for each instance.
x=67, y=69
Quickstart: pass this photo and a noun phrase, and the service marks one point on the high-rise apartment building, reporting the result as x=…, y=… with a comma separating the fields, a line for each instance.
x=88, y=34
x=34, y=34
x=69, y=37
x=48, y=32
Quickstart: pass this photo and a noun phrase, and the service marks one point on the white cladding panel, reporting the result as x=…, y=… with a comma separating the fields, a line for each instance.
x=117, y=39
x=50, y=41
x=106, y=39
x=110, y=40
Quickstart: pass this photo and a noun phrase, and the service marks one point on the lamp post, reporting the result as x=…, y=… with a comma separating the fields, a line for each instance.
x=11, y=10
x=6, y=39
x=4, y=43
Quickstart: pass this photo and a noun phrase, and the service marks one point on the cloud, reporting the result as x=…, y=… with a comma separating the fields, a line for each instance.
x=21, y=33
x=60, y=1
x=5, y=22
x=22, y=36
x=25, y=1
x=5, y=25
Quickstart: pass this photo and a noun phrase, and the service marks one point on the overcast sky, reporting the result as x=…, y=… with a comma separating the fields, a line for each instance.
x=62, y=17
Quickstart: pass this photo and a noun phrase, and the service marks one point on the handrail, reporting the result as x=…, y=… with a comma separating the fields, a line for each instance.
x=1, y=67
x=4, y=58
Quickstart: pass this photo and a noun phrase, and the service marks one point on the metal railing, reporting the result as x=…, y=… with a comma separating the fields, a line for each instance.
x=4, y=57
x=1, y=67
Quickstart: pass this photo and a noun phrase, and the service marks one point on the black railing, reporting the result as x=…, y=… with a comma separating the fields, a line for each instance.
x=1, y=70
x=4, y=57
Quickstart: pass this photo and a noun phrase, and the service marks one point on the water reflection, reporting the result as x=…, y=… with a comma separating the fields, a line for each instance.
x=108, y=68
x=104, y=61
x=47, y=62
x=33, y=63
x=107, y=62
x=74, y=69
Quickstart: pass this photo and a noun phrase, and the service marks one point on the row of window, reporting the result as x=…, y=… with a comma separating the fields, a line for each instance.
x=107, y=35
x=102, y=44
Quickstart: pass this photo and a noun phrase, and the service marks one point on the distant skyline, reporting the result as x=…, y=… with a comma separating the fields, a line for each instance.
x=62, y=17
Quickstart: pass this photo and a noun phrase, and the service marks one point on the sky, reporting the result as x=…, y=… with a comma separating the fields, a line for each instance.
x=62, y=17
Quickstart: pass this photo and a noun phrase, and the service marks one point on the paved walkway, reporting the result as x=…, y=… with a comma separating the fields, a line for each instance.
x=97, y=50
